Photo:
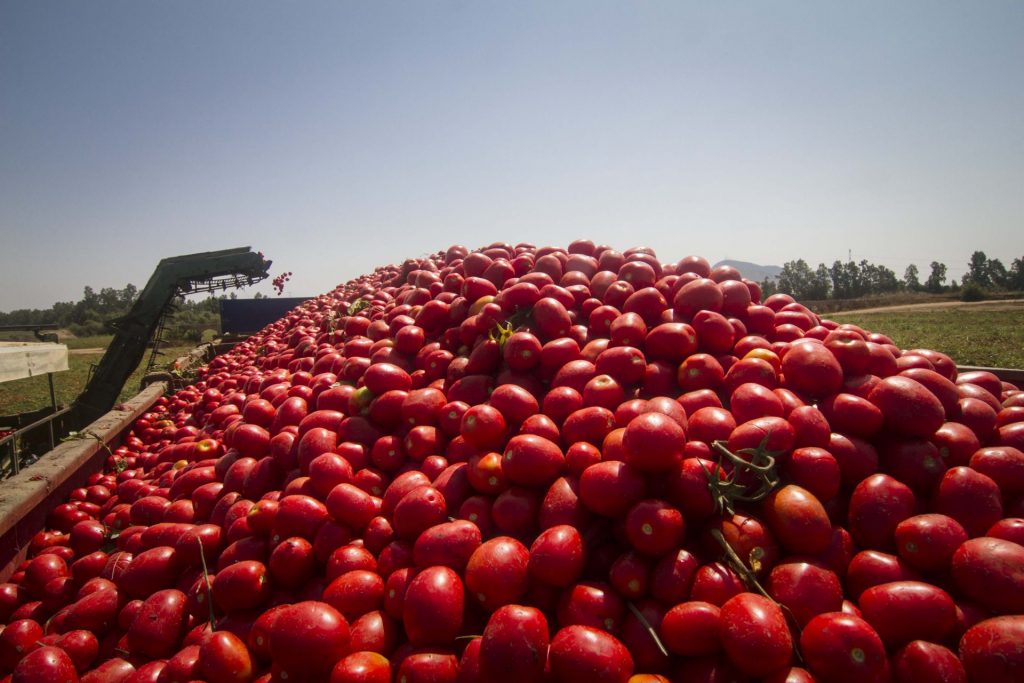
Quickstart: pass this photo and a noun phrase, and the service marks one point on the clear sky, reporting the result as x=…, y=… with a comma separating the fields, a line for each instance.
x=338, y=136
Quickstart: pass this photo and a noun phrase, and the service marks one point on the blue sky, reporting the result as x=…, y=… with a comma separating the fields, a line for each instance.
x=338, y=136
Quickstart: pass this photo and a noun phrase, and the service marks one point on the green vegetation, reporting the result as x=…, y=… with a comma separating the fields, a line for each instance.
x=87, y=317
x=84, y=331
x=33, y=393
x=988, y=335
x=852, y=280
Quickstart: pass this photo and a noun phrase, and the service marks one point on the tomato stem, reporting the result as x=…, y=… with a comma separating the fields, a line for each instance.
x=746, y=573
x=750, y=579
x=647, y=627
x=735, y=487
x=206, y=581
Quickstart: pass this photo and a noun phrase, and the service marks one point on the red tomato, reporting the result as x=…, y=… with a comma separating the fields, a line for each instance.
x=654, y=527
x=362, y=667
x=811, y=369
x=805, y=589
x=432, y=610
x=877, y=505
x=927, y=542
x=514, y=644
x=556, y=556
x=654, y=442
x=430, y=667
x=908, y=406
x=580, y=654
x=224, y=658
x=991, y=572
x=692, y=629
x=592, y=603
x=755, y=635
x=971, y=498
x=45, y=665
x=243, y=585
x=920, y=660
x=450, y=544
x=991, y=652
x=908, y=610
x=798, y=520
x=843, y=648
x=307, y=639
x=355, y=593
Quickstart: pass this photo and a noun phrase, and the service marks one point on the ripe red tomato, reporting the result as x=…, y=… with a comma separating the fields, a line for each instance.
x=811, y=369
x=908, y=610
x=224, y=658
x=921, y=660
x=432, y=611
x=927, y=542
x=362, y=667
x=45, y=665
x=990, y=650
x=908, y=406
x=755, y=635
x=580, y=654
x=805, y=589
x=877, y=505
x=654, y=442
x=307, y=639
x=692, y=629
x=991, y=572
x=556, y=556
x=798, y=520
x=514, y=644
x=843, y=648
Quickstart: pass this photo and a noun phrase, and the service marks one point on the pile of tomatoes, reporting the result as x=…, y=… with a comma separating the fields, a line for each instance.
x=542, y=464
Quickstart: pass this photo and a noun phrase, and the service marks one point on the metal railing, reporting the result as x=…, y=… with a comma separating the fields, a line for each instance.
x=14, y=455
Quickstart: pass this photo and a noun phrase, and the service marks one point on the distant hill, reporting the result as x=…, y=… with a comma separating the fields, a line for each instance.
x=752, y=271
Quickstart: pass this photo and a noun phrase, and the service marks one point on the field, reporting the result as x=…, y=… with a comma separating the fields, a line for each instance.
x=33, y=393
x=989, y=333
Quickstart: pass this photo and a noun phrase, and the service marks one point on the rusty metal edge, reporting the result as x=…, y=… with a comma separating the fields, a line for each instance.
x=27, y=497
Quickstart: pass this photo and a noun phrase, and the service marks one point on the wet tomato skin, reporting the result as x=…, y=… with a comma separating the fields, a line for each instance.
x=902, y=611
x=877, y=505
x=920, y=660
x=843, y=648
x=755, y=635
x=990, y=571
x=798, y=520
x=991, y=650
x=581, y=654
x=927, y=542
x=805, y=589
x=691, y=629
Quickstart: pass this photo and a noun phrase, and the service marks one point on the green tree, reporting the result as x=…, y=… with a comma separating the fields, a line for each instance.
x=977, y=270
x=840, y=281
x=881, y=280
x=1015, y=278
x=128, y=295
x=855, y=276
x=821, y=283
x=934, y=283
x=910, y=278
x=796, y=279
x=997, y=274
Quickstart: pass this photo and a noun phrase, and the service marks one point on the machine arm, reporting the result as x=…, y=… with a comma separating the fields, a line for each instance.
x=173, y=276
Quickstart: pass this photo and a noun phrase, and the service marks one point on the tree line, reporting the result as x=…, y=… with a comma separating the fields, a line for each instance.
x=88, y=316
x=852, y=280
